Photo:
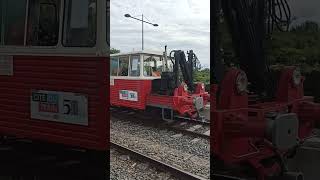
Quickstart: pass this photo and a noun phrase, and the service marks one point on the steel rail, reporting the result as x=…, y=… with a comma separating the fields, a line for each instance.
x=178, y=173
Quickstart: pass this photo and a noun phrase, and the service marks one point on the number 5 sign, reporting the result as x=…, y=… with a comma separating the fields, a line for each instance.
x=61, y=107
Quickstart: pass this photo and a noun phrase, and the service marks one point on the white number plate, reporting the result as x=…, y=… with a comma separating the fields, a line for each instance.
x=128, y=95
x=62, y=107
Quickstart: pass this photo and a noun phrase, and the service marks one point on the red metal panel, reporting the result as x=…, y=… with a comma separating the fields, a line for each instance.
x=158, y=100
x=65, y=74
x=143, y=87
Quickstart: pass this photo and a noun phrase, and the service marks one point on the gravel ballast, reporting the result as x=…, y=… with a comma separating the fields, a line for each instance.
x=180, y=150
x=123, y=167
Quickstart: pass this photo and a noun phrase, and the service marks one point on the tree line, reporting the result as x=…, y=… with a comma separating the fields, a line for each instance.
x=299, y=46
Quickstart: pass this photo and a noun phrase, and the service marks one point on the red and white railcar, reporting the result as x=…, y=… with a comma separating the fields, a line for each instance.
x=53, y=71
x=136, y=79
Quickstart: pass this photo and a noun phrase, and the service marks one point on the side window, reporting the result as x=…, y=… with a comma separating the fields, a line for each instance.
x=135, y=66
x=152, y=66
x=80, y=23
x=1, y=16
x=123, y=66
x=114, y=66
x=147, y=65
x=13, y=21
x=158, y=63
x=43, y=22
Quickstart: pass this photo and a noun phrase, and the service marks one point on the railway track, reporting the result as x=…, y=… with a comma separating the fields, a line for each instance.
x=193, y=128
x=196, y=130
x=178, y=173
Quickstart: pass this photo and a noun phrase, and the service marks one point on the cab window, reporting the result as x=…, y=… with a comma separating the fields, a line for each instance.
x=123, y=66
x=43, y=22
x=13, y=21
x=147, y=65
x=152, y=66
x=1, y=26
x=80, y=23
x=135, y=66
x=158, y=63
x=114, y=66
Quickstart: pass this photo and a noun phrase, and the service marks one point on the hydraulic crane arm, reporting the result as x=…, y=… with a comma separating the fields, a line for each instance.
x=186, y=67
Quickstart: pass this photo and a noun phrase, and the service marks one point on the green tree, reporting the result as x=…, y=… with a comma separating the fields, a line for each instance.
x=298, y=46
x=114, y=51
x=202, y=75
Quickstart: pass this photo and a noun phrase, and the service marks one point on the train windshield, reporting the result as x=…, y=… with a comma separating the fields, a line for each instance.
x=114, y=66
x=13, y=17
x=125, y=66
x=134, y=65
x=138, y=65
x=37, y=23
x=80, y=24
x=152, y=65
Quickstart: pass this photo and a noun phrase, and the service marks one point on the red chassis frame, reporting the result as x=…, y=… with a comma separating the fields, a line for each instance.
x=182, y=101
x=239, y=129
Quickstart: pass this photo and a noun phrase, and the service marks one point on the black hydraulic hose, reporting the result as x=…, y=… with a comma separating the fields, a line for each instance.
x=281, y=7
x=250, y=40
x=171, y=56
x=217, y=65
x=186, y=71
x=251, y=22
x=175, y=67
x=276, y=20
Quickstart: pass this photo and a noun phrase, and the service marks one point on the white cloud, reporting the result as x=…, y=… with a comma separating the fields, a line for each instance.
x=183, y=24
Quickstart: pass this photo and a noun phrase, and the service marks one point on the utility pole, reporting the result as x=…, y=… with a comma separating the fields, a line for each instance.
x=142, y=21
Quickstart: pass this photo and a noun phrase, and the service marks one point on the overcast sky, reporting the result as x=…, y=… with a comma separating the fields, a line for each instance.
x=304, y=10
x=183, y=25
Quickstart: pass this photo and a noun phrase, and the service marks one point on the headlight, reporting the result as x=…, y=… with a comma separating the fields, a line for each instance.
x=296, y=77
x=242, y=82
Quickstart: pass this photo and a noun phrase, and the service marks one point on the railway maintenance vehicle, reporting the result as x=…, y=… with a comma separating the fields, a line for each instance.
x=54, y=57
x=143, y=79
x=258, y=120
